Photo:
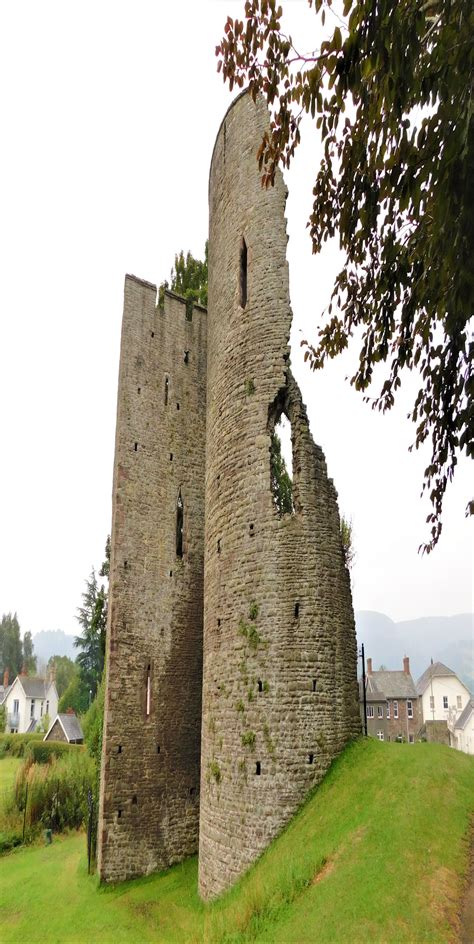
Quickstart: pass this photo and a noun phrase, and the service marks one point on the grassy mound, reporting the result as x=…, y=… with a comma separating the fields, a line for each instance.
x=378, y=854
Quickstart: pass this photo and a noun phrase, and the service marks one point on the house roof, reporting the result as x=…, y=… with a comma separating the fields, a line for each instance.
x=396, y=684
x=70, y=725
x=436, y=670
x=370, y=696
x=4, y=692
x=33, y=686
x=464, y=716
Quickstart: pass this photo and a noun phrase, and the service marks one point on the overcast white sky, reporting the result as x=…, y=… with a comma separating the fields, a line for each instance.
x=109, y=112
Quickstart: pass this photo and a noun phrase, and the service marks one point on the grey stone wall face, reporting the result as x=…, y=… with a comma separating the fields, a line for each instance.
x=280, y=694
x=149, y=806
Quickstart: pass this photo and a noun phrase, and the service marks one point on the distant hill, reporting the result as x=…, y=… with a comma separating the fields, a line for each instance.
x=447, y=639
x=53, y=642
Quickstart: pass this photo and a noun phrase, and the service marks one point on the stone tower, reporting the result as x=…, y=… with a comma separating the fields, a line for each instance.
x=276, y=661
x=150, y=763
x=279, y=683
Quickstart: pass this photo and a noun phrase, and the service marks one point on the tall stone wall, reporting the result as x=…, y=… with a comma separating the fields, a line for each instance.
x=149, y=806
x=279, y=685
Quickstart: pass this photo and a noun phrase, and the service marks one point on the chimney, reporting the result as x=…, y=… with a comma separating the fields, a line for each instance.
x=5, y=677
x=406, y=665
x=369, y=666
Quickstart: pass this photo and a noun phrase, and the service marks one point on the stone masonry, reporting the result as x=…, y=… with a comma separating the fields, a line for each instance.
x=276, y=661
x=150, y=764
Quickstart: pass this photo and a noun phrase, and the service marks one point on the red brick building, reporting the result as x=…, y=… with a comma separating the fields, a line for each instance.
x=394, y=694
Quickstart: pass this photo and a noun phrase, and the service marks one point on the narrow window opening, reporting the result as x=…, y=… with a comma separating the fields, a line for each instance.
x=134, y=800
x=297, y=610
x=192, y=791
x=153, y=334
x=119, y=813
x=310, y=758
x=136, y=447
x=243, y=274
x=186, y=357
x=139, y=389
x=219, y=546
x=125, y=565
x=218, y=622
x=260, y=685
x=281, y=467
x=158, y=749
x=119, y=749
x=251, y=529
x=314, y=685
x=171, y=456
x=258, y=768
x=177, y=406
x=179, y=525
x=167, y=389
x=148, y=692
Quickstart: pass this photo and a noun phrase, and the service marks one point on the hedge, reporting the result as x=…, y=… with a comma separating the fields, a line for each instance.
x=16, y=744
x=41, y=752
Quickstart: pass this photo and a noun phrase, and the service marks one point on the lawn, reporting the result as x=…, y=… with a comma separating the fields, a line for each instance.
x=8, y=769
x=377, y=854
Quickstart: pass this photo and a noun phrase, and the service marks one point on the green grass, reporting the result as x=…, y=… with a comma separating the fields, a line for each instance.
x=376, y=854
x=8, y=770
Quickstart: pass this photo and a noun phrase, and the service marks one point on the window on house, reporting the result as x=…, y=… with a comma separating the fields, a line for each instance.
x=395, y=709
x=16, y=706
x=379, y=711
x=243, y=274
x=47, y=707
x=459, y=701
x=431, y=702
x=411, y=738
x=32, y=708
x=410, y=708
x=167, y=387
x=41, y=709
x=445, y=701
x=380, y=735
x=370, y=711
x=388, y=709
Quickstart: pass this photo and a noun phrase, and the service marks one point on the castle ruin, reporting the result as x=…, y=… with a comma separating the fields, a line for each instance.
x=231, y=654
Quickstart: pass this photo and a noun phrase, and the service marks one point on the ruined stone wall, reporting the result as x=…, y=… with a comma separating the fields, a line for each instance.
x=279, y=686
x=150, y=764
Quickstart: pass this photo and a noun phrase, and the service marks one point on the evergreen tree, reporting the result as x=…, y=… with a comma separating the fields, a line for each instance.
x=282, y=486
x=11, y=650
x=189, y=278
x=92, y=617
x=29, y=658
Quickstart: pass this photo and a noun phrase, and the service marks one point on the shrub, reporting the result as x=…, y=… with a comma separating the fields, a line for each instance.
x=15, y=744
x=55, y=794
x=248, y=739
x=41, y=752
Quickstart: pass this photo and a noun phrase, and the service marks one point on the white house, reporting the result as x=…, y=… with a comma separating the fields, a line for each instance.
x=27, y=700
x=464, y=729
x=443, y=696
